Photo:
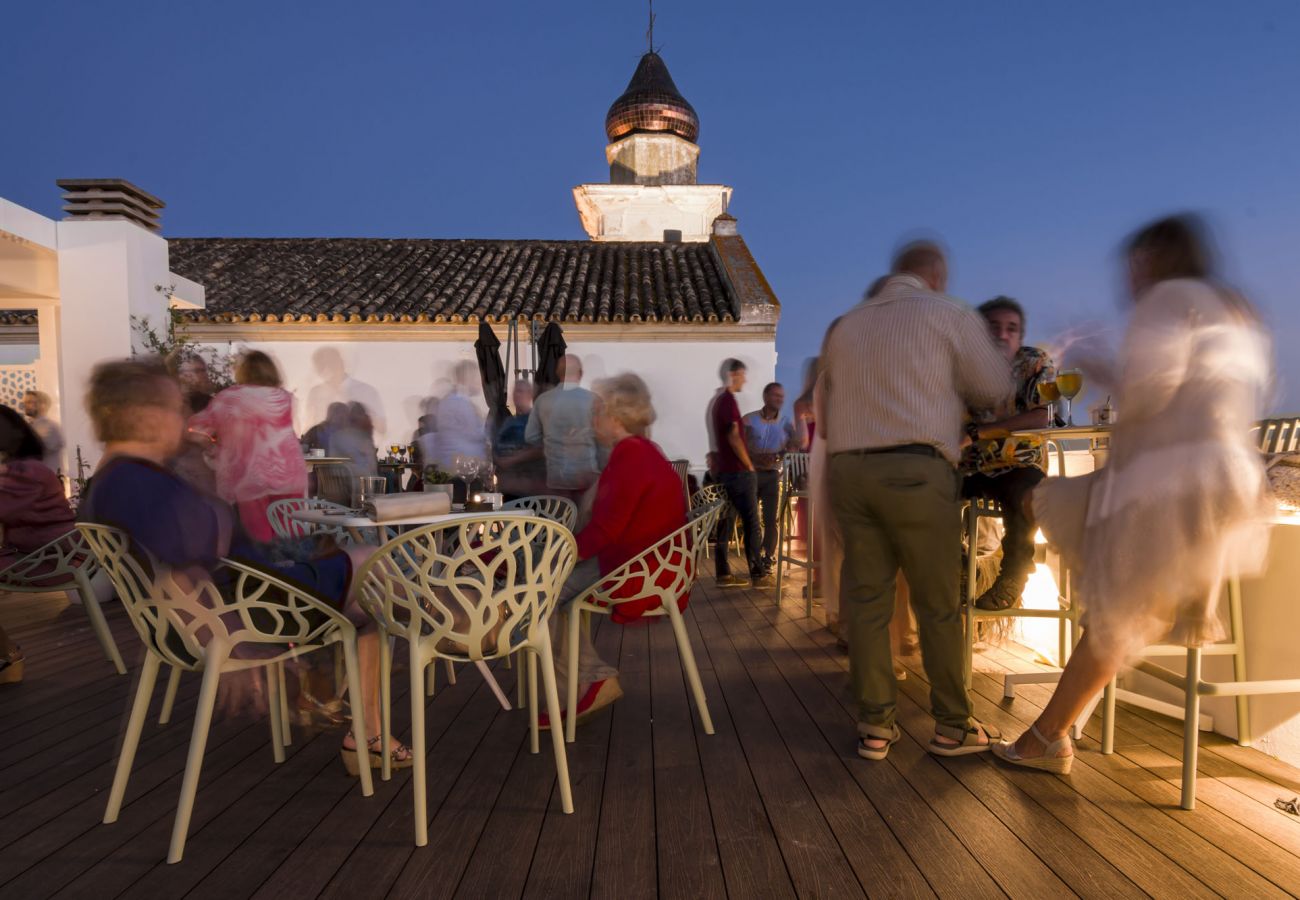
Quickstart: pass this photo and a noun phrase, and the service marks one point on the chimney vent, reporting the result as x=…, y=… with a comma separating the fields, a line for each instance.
x=109, y=198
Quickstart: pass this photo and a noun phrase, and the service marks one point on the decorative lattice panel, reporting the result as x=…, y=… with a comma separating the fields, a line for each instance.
x=14, y=382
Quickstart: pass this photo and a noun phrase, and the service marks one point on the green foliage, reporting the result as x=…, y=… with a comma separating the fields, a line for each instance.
x=434, y=475
x=173, y=347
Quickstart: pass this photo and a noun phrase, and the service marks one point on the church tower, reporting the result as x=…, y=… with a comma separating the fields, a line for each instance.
x=652, y=194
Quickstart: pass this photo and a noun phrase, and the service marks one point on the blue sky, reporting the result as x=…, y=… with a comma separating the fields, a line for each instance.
x=1032, y=136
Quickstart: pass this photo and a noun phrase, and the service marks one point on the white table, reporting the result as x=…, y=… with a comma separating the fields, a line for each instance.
x=314, y=461
x=355, y=522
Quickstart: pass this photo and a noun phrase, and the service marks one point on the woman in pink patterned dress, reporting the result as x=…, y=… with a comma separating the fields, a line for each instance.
x=257, y=457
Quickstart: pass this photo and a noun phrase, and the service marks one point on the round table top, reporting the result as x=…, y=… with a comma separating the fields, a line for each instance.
x=313, y=461
x=357, y=520
x=1068, y=433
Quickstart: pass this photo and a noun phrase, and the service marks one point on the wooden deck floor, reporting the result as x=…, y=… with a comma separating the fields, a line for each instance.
x=775, y=804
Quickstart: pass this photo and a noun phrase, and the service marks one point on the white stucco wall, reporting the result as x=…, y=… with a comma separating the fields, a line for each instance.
x=682, y=378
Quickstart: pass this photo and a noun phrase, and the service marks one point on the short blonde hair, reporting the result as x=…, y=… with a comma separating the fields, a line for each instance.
x=43, y=401
x=627, y=399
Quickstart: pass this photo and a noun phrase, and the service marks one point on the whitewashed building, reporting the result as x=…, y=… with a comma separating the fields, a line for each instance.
x=664, y=286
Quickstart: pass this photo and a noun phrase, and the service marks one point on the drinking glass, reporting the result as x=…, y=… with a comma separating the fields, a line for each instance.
x=1049, y=393
x=369, y=487
x=396, y=451
x=1069, y=383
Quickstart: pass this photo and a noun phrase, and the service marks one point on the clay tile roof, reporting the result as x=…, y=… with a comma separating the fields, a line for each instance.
x=377, y=280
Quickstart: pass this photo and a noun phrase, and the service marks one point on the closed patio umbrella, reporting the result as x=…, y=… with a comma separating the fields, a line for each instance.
x=493, y=374
x=550, y=350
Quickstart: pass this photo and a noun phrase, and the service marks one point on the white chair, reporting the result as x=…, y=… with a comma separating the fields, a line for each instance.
x=258, y=621
x=794, y=481
x=473, y=590
x=64, y=564
x=280, y=515
x=683, y=469
x=710, y=493
x=548, y=506
x=334, y=483
x=1066, y=613
x=665, y=571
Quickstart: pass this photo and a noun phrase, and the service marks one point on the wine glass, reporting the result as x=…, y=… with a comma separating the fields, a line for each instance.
x=396, y=452
x=1069, y=383
x=1049, y=392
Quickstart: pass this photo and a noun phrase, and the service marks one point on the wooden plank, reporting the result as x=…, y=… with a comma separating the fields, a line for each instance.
x=625, y=867
x=945, y=862
x=560, y=864
x=689, y=865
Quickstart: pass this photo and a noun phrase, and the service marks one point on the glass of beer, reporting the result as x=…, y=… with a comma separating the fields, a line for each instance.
x=396, y=451
x=1049, y=393
x=1069, y=383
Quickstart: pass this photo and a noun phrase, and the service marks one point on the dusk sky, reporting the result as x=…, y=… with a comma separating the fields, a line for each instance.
x=1031, y=136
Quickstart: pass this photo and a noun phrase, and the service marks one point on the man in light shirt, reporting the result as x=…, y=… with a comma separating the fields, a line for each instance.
x=768, y=437
x=560, y=427
x=899, y=372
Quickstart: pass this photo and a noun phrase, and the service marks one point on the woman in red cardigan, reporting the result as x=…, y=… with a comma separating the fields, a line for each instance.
x=638, y=502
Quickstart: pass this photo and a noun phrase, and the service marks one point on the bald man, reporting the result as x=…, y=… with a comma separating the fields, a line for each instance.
x=560, y=424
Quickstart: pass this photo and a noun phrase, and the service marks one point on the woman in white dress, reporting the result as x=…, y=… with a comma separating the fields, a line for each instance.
x=1182, y=502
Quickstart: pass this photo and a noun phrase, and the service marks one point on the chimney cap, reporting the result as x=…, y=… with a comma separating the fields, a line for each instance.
x=725, y=225
x=109, y=198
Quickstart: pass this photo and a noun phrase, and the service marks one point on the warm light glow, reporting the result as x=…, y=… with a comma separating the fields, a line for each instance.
x=1041, y=592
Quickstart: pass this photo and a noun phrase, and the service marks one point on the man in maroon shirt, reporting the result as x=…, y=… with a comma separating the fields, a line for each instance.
x=735, y=472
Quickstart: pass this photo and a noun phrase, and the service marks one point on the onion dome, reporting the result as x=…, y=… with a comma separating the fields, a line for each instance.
x=651, y=105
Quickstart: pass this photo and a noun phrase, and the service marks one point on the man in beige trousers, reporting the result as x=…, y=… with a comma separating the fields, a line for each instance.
x=898, y=373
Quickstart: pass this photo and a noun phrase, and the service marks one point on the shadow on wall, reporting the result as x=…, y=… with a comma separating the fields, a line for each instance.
x=337, y=386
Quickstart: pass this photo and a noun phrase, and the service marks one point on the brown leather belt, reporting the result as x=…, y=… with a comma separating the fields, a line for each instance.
x=917, y=449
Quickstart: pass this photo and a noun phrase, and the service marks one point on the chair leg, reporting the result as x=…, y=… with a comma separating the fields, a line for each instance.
x=353, y=668
x=451, y=671
x=1108, y=718
x=131, y=740
x=169, y=696
x=782, y=536
x=286, y=732
x=194, y=761
x=553, y=710
x=1244, y=736
x=522, y=686
x=535, y=741
x=418, y=785
x=811, y=546
x=1191, y=726
x=688, y=665
x=571, y=626
x=386, y=702
x=98, y=624
x=273, y=711
x=431, y=679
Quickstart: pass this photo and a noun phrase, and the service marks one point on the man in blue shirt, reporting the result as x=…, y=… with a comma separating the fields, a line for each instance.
x=768, y=437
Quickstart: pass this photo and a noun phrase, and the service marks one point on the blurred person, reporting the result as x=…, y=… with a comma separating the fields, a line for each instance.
x=33, y=511
x=336, y=419
x=768, y=437
x=460, y=427
x=196, y=381
x=36, y=406
x=638, y=503
x=255, y=453
x=736, y=474
x=520, y=469
x=352, y=435
x=337, y=386
x=898, y=373
x=560, y=431
x=137, y=413
x=1182, y=502
x=1003, y=468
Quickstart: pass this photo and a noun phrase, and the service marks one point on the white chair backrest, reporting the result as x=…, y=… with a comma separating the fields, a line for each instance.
x=710, y=493
x=334, y=482
x=1279, y=435
x=178, y=615
x=665, y=570
x=548, y=506
x=794, y=471
x=707, y=516
x=683, y=469
x=280, y=515
x=51, y=567
x=478, y=588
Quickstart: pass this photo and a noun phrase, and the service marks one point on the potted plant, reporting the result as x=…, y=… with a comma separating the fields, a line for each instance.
x=437, y=481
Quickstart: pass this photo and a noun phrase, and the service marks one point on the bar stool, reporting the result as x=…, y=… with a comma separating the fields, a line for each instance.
x=1067, y=615
x=794, y=472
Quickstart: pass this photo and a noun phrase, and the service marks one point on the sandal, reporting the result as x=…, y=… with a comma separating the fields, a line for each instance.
x=400, y=757
x=878, y=753
x=11, y=667
x=970, y=742
x=1051, y=760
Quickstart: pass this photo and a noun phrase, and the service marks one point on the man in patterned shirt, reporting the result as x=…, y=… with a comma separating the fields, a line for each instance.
x=1003, y=468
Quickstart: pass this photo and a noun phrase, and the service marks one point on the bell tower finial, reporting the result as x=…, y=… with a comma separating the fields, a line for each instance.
x=650, y=32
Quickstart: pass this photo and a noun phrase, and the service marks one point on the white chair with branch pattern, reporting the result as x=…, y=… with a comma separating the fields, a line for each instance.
x=64, y=564
x=477, y=589
x=257, y=621
x=548, y=506
x=665, y=571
